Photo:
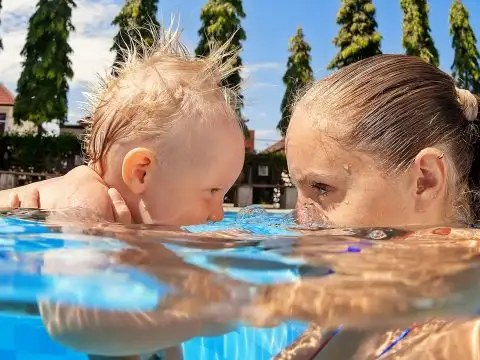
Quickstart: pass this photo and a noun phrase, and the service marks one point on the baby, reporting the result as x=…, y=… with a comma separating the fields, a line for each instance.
x=165, y=139
x=163, y=133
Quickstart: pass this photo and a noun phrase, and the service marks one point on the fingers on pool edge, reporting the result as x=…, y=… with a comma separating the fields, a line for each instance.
x=13, y=201
x=31, y=199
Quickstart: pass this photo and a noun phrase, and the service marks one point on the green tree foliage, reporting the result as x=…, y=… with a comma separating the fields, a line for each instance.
x=465, y=67
x=43, y=84
x=1, y=44
x=417, y=39
x=299, y=73
x=28, y=152
x=221, y=22
x=358, y=37
x=139, y=15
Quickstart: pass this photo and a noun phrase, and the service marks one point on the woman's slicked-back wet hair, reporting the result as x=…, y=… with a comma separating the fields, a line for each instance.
x=392, y=107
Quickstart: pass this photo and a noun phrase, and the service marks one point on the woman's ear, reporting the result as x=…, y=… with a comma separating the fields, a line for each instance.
x=137, y=168
x=430, y=177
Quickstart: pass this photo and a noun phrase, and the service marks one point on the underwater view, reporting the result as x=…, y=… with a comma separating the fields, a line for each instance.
x=254, y=286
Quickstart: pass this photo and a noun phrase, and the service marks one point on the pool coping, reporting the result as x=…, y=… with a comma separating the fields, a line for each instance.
x=231, y=208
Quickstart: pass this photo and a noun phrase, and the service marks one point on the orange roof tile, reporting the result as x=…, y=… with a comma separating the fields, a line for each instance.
x=6, y=97
x=276, y=147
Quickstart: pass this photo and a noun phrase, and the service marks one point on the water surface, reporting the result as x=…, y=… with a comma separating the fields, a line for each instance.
x=254, y=269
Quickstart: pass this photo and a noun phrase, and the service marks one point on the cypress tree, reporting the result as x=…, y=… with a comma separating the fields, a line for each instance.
x=417, y=39
x=465, y=67
x=43, y=84
x=140, y=15
x=299, y=73
x=221, y=22
x=358, y=37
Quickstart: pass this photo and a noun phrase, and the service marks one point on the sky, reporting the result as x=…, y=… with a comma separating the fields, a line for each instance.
x=269, y=24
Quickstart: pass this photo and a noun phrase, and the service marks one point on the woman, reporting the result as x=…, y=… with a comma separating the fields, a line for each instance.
x=395, y=145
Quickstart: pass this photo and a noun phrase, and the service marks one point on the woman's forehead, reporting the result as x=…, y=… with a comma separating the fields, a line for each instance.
x=310, y=153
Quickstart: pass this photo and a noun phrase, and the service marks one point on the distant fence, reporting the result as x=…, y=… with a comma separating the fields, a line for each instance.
x=284, y=197
x=39, y=154
x=11, y=179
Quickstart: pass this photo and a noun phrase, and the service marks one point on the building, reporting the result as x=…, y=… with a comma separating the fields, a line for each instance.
x=7, y=124
x=77, y=129
x=278, y=147
x=250, y=141
x=6, y=109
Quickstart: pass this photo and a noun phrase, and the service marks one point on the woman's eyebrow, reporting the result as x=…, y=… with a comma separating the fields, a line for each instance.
x=316, y=174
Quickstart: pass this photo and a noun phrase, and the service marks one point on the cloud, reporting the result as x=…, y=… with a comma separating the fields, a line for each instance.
x=91, y=42
x=267, y=135
x=253, y=75
x=262, y=85
x=252, y=68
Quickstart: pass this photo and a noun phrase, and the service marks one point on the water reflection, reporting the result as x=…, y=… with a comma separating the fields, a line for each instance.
x=87, y=275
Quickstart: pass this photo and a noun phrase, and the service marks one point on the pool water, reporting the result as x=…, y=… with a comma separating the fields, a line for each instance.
x=348, y=279
x=24, y=245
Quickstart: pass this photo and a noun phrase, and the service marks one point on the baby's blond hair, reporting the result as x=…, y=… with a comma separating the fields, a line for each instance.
x=152, y=87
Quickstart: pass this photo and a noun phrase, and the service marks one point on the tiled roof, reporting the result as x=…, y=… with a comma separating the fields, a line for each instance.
x=6, y=97
x=276, y=147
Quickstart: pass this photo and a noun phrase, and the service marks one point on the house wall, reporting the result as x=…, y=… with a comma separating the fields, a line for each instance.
x=77, y=131
x=9, y=124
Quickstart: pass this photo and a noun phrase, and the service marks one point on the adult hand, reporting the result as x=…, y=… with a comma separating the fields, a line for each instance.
x=120, y=209
x=30, y=200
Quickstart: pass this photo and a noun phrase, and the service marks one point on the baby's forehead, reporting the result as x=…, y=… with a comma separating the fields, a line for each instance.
x=200, y=147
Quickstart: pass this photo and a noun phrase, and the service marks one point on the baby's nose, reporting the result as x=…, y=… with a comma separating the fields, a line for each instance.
x=217, y=213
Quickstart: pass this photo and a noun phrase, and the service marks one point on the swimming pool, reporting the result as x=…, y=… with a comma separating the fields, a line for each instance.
x=24, y=244
x=353, y=277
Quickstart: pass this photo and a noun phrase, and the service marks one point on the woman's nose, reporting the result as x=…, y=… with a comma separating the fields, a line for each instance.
x=308, y=212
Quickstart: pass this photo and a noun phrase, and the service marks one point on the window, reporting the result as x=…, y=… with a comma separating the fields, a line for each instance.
x=3, y=121
x=262, y=170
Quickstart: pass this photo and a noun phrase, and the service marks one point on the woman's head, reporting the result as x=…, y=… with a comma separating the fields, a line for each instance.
x=386, y=141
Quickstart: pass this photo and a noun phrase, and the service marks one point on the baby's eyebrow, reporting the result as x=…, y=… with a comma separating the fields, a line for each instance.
x=213, y=187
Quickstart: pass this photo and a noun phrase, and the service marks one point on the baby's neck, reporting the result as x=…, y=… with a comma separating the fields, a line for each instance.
x=115, y=181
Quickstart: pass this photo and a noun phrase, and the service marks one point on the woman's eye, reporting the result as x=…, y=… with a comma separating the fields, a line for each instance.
x=321, y=188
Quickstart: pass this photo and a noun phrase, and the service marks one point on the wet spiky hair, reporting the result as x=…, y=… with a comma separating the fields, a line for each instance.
x=152, y=87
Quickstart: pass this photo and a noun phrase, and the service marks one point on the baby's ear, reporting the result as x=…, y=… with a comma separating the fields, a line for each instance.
x=137, y=168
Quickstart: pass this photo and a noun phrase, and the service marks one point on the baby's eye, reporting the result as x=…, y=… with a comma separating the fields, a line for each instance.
x=323, y=189
x=213, y=191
